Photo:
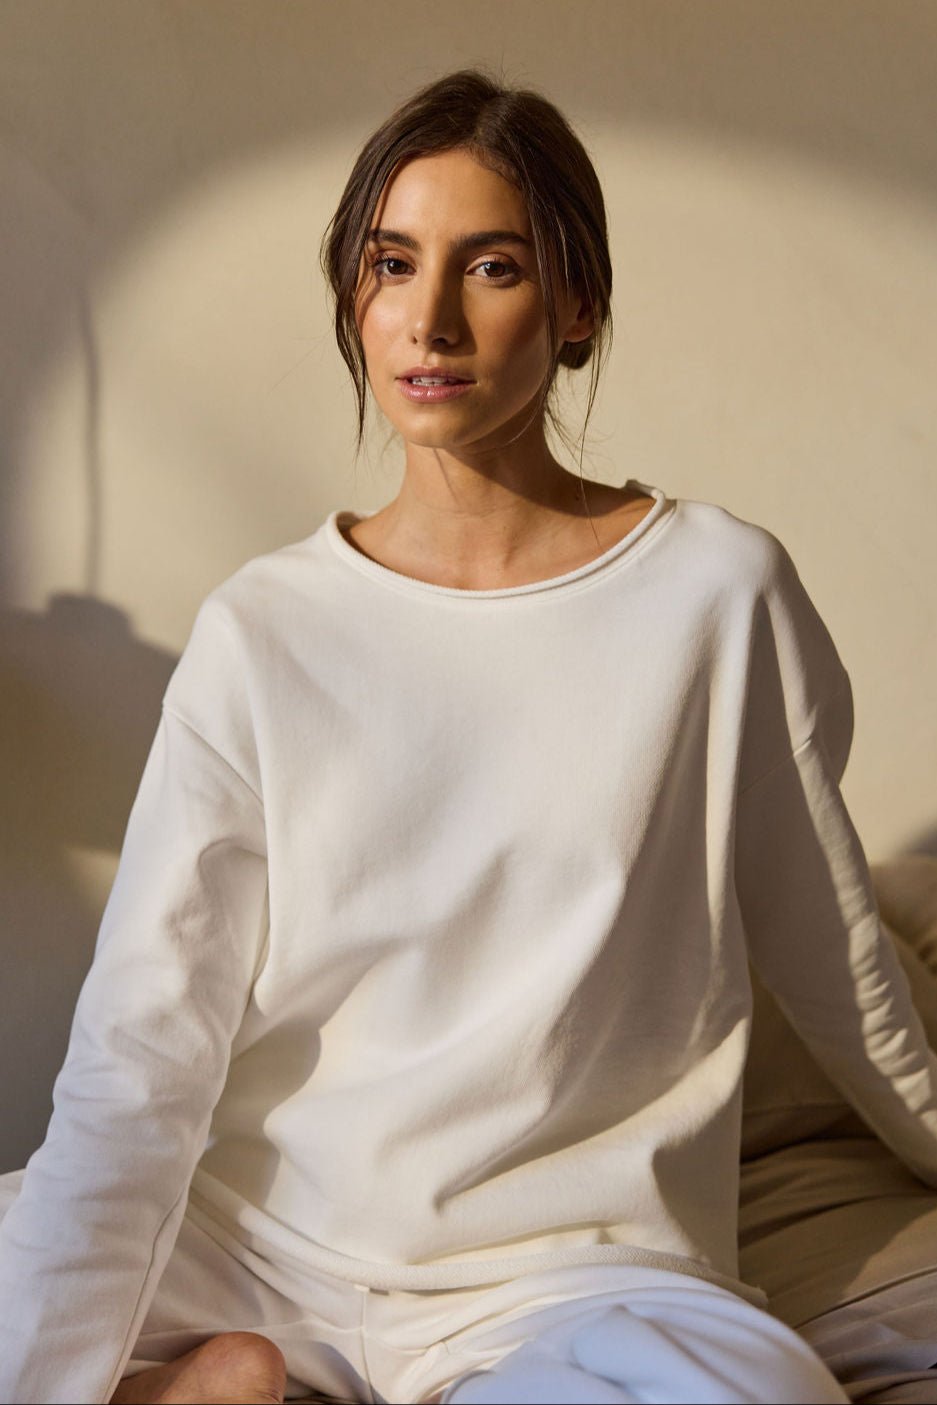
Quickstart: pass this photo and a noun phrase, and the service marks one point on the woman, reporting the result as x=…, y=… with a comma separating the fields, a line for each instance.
x=409, y=1064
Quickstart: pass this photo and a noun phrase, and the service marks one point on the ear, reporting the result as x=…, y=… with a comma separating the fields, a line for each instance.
x=580, y=323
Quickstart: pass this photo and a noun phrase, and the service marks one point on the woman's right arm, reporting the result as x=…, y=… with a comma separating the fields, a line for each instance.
x=83, y=1247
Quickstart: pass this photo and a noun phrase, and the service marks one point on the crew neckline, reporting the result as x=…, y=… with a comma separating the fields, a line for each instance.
x=385, y=575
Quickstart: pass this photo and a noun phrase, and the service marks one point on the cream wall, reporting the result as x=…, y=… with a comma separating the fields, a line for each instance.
x=172, y=401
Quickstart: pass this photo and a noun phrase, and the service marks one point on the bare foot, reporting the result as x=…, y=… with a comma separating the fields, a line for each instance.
x=235, y=1368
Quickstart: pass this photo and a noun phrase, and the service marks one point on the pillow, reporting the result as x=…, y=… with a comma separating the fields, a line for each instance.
x=906, y=890
x=786, y=1096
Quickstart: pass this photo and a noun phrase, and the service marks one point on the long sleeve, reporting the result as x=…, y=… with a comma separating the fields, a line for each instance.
x=804, y=890
x=83, y=1247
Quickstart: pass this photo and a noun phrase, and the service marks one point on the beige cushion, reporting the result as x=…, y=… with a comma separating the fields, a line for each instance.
x=906, y=890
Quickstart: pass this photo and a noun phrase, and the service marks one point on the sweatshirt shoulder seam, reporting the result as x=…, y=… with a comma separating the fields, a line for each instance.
x=801, y=746
x=171, y=711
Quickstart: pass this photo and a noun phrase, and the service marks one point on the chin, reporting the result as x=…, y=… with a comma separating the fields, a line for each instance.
x=433, y=441
x=436, y=435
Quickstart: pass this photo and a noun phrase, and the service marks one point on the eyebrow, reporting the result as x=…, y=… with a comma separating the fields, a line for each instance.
x=460, y=245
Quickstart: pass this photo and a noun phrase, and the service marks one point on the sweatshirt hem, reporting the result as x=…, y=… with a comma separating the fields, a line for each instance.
x=464, y=1273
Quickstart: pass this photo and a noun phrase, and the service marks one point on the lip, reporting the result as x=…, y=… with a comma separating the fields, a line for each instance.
x=427, y=394
x=433, y=371
x=430, y=394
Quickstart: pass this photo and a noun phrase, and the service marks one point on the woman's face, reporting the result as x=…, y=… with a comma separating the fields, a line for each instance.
x=474, y=312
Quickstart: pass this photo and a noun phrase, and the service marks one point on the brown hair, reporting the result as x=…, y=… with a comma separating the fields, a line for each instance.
x=524, y=138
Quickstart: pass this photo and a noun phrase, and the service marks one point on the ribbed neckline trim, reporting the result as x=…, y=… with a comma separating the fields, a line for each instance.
x=385, y=576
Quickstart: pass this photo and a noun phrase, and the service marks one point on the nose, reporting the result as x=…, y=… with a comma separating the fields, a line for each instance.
x=436, y=312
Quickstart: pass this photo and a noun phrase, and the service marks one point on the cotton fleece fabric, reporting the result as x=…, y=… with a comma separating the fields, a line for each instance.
x=426, y=959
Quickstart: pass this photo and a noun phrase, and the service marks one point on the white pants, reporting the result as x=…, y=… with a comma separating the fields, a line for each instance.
x=592, y=1333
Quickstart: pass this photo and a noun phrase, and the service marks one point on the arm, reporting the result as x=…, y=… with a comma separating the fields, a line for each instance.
x=83, y=1247
x=816, y=940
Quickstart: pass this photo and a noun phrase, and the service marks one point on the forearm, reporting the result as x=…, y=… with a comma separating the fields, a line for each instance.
x=816, y=939
x=102, y=1199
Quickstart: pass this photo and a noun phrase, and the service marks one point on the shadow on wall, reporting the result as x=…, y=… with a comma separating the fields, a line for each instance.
x=80, y=699
x=81, y=706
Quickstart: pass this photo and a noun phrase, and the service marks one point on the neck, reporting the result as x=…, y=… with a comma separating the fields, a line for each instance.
x=485, y=500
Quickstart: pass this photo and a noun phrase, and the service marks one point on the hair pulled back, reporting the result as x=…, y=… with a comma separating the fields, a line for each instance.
x=524, y=138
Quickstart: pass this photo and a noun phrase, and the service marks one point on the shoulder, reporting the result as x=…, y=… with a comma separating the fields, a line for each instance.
x=262, y=600
x=775, y=640
x=741, y=550
x=242, y=623
x=735, y=567
x=754, y=565
x=265, y=584
x=746, y=579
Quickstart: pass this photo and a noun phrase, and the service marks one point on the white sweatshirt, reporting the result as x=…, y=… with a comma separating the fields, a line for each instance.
x=427, y=952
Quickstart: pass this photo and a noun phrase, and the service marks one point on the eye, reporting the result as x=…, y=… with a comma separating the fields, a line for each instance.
x=380, y=266
x=510, y=270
